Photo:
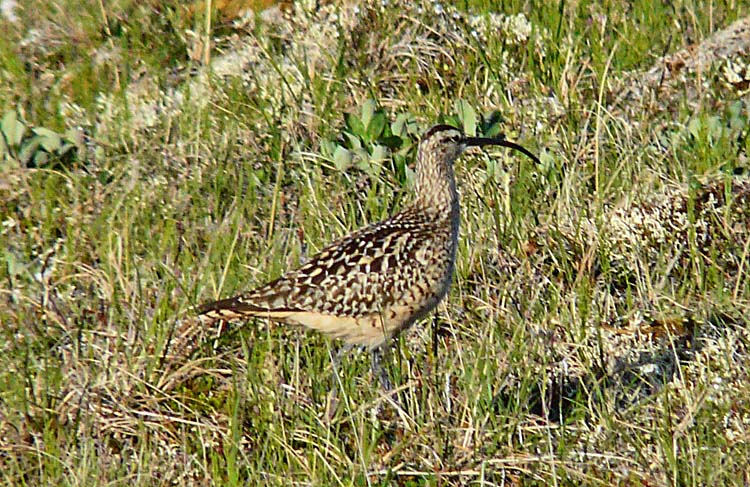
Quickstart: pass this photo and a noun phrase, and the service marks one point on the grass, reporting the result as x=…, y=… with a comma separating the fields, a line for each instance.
x=596, y=331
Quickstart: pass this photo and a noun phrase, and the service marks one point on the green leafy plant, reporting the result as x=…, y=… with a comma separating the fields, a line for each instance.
x=34, y=146
x=473, y=124
x=368, y=140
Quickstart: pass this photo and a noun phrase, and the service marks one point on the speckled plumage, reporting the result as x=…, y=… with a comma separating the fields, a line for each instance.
x=374, y=283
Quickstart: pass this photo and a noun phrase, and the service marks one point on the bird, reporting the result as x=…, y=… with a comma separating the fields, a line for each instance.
x=373, y=284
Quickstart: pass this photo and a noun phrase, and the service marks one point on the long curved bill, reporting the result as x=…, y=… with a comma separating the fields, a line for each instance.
x=482, y=141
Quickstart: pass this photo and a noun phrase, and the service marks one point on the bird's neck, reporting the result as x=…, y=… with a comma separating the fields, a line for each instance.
x=436, y=189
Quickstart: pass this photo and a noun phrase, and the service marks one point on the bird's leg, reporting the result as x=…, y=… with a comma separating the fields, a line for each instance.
x=435, y=344
x=376, y=363
x=435, y=335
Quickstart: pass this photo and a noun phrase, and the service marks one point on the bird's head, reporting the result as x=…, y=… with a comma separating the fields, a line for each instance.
x=446, y=143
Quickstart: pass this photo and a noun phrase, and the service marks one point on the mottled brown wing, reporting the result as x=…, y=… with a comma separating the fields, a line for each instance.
x=357, y=276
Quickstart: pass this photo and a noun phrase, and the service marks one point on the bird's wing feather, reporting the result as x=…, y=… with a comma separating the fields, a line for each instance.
x=357, y=276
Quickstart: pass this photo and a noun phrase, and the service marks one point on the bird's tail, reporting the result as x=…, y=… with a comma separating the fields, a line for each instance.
x=241, y=307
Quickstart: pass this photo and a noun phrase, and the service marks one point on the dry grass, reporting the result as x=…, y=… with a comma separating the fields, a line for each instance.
x=597, y=331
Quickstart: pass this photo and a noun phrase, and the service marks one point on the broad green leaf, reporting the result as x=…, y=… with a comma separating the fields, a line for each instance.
x=342, y=158
x=467, y=115
x=354, y=142
x=491, y=124
x=369, y=107
x=376, y=126
x=328, y=148
x=404, y=125
x=29, y=149
x=393, y=141
x=398, y=127
x=51, y=141
x=492, y=131
x=354, y=124
x=454, y=121
x=13, y=128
